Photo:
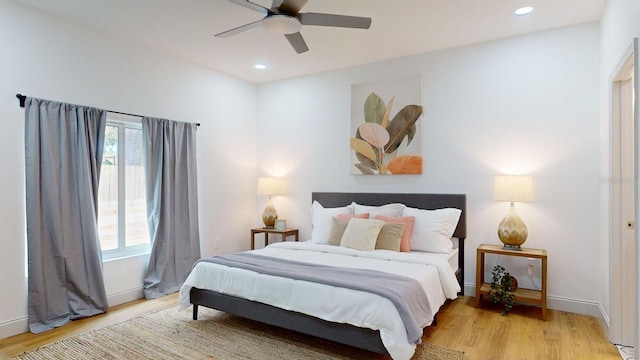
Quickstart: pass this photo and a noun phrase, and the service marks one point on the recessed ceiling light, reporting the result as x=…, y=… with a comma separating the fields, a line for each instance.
x=260, y=66
x=523, y=10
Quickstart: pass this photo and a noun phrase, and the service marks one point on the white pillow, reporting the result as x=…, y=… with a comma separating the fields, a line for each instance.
x=394, y=209
x=433, y=229
x=321, y=221
x=361, y=234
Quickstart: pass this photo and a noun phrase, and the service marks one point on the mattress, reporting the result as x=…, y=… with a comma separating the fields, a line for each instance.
x=433, y=271
x=452, y=259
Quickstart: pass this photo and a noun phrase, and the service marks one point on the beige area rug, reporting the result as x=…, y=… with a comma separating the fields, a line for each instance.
x=171, y=334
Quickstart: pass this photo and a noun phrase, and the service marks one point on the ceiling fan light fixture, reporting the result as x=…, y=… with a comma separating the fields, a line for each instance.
x=282, y=24
x=523, y=10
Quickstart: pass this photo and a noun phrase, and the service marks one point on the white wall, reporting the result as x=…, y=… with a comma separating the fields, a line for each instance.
x=525, y=105
x=619, y=26
x=47, y=57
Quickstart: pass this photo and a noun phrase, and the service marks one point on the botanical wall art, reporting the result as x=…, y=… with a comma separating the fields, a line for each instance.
x=386, y=131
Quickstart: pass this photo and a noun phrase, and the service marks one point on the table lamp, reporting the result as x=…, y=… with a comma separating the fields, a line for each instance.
x=512, y=231
x=270, y=186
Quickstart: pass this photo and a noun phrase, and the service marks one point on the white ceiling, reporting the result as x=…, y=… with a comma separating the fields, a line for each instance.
x=185, y=28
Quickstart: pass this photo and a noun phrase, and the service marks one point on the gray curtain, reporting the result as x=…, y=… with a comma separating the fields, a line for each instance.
x=172, y=204
x=63, y=153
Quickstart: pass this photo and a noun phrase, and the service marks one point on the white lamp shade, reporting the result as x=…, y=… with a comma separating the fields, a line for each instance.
x=513, y=188
x=272, y=186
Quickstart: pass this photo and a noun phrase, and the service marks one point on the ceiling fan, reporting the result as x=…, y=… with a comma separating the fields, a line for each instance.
x=284, y=17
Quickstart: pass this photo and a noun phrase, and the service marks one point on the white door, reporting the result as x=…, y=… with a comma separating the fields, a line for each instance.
x=623, y=201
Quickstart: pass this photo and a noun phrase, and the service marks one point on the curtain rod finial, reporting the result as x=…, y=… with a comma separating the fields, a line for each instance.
x=22, y=98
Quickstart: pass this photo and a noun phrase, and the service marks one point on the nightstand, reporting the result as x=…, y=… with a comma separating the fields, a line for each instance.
x=523, y=295
x=283, y=233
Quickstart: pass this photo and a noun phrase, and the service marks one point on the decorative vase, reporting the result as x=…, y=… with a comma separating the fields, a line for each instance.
x=514, y=283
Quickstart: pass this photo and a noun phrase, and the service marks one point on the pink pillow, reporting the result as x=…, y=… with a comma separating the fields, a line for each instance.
x=348, y=216
x=408, y=227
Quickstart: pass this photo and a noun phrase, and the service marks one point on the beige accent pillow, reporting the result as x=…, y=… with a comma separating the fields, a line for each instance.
x=361, y=234
x=390, y=237
x=408, y=228
x=338, y=226
x=321, y=220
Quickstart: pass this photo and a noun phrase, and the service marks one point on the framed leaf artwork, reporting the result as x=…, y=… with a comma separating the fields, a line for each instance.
x=386, y=128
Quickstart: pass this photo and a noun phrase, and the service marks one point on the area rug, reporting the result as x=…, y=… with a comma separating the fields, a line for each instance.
x=171, y=334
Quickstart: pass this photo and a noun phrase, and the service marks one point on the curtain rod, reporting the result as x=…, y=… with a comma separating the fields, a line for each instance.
x=22, y=98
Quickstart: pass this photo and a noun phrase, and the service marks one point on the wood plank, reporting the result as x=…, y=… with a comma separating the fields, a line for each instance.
x=525, y=295
x=524, y=252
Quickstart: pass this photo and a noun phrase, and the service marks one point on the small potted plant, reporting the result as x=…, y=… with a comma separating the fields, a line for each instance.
x=502, y=287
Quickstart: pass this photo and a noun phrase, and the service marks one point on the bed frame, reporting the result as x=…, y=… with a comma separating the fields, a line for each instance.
x=362, y=338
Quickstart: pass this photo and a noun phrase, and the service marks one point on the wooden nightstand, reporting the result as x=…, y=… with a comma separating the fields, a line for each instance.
x=284, y=233
x=523, y=295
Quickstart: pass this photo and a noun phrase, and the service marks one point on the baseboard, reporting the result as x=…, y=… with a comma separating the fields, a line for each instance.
x=469, y=289
x=125, y=296
x=21, y=325
x=14, y=327
x=577, y=306
x=560, y=303
x=605, y=321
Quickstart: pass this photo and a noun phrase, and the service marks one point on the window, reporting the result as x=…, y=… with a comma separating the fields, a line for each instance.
x=122, y=214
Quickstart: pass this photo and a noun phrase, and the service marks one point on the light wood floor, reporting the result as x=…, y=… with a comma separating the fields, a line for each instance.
x=484, y=334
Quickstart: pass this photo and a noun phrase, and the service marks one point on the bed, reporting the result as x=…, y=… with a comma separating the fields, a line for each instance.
x=317, y=324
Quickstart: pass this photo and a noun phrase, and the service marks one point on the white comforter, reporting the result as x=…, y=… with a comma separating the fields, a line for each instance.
x=330, y=303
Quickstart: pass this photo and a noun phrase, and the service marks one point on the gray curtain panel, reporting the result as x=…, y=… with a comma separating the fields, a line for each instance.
x=63, y=154
x=172, y=204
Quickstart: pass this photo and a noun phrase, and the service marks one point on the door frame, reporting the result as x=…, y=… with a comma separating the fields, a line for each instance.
x=623, y=247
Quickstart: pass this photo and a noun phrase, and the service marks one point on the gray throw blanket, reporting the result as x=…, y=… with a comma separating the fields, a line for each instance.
x=405, y=293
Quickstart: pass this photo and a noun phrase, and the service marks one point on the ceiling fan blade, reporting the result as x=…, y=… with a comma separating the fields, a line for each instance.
x=297, y=42
x=291, y=6
x=335, y=20
x=276, y=4
x=240, y=29
x=249, y=5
